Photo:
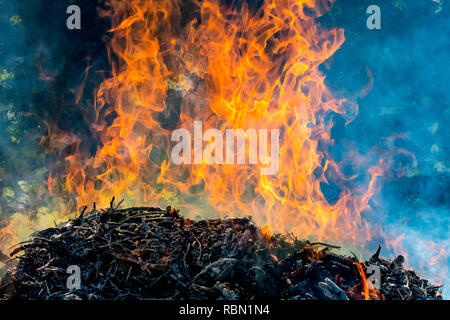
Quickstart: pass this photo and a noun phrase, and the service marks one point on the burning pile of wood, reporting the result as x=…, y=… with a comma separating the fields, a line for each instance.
x=150, y=253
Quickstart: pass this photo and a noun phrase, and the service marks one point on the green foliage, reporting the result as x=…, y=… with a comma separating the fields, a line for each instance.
x=8, y=193
x=399, y=4
x=5, y=76
x=15, y=19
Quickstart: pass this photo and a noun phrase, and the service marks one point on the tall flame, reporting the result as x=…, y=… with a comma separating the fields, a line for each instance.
x=230, y=68
x=177, y=62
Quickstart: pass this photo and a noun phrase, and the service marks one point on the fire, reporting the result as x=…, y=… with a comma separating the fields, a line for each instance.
x=231, y=69
x=175, y=63
x=266, y=232
x=369, y=293
x=246, y=68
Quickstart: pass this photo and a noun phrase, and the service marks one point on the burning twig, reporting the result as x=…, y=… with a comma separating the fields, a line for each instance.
x=150, y=253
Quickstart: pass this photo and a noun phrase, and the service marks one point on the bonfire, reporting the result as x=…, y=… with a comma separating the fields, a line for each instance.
x=230, y=74
x=150, y=253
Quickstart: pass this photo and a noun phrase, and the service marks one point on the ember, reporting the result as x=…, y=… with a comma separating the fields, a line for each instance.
x=150, y=253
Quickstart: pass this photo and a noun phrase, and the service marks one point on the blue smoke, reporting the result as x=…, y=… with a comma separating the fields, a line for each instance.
x=403, y=118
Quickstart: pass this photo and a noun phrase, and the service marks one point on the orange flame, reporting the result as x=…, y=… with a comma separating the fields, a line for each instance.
x=266, y=232
x=230, y=69
x=369, y=294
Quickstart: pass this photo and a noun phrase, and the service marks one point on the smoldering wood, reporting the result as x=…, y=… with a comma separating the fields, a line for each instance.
x=151, y=253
